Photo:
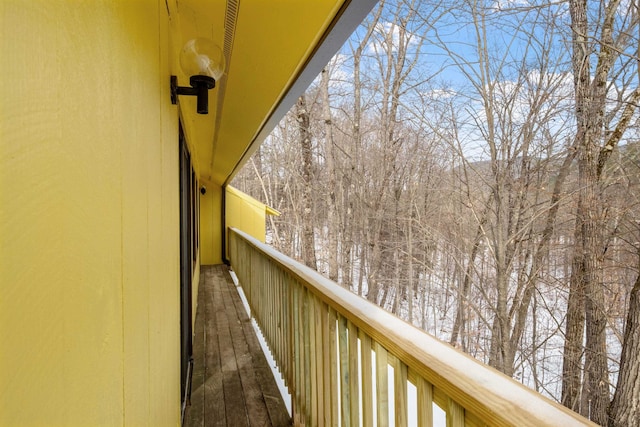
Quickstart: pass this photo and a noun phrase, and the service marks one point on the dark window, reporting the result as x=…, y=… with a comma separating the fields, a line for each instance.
x=188, y=218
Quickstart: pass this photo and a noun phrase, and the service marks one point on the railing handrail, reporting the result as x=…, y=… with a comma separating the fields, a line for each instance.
x=490, y=396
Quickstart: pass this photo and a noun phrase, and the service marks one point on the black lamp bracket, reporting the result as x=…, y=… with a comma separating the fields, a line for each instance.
x=200, y=86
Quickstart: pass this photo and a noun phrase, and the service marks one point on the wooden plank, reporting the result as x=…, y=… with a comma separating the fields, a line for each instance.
x=319, y=351
x=400, y=391
x=354, y=391
x=326, y=364
x=333, y=366
x=367, y=381
x=343, y=345
x=382, y=385
x=279, y=303
x=286, y=328
x=276, y=409
x=257, y=413
x=271, y=394
x=195, y=413
x=284, y=321
x=313, y=367
x=455, y=414
x=235, y=408
x=297, y=406
x=425, y=402
x=214, y=411
x=221, y=318
x=304, y=369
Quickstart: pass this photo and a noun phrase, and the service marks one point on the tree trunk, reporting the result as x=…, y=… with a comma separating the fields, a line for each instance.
x=625, y=407
x=332, y=217
x=465, y=287
x=574, y=337
x=304, y=135
x=590, y=103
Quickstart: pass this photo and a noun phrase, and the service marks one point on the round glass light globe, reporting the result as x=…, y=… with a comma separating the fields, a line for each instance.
x=202, y=57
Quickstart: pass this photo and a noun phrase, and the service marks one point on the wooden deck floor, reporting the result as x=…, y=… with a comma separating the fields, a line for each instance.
x=232, y=384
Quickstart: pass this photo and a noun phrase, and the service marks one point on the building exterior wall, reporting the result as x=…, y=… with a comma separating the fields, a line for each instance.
x=245, y=213
x=89, y=213
x=211, y=225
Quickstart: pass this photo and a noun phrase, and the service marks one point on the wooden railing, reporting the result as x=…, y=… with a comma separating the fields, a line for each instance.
x=340, y=356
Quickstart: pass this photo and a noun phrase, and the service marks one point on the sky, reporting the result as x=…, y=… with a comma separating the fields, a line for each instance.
x=511, y=47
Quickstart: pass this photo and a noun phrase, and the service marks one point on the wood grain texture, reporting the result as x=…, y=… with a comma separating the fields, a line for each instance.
x=333, y=351
x=354, y=392
x=345, y=402
x=382, y=385
x=232, y=383
x=400, y=391
x=425, y=403
x=455, y=415
x=367, y=383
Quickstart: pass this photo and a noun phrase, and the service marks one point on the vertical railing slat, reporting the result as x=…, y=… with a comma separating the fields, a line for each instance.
x=290, y=368
x=273, y=315
x=297, y=354
x=313, y=366
x=425, y=402
x=333, y=366
x=306, y=365
x=354, y=392
x=281, y=319
x=455, y=414
x=326, y=365
x=277, y=315
x=367, y=381
x=343, y=344
x=382, y=386
x=289, y=334
x=286, y=326
x=319, y=353
x=400, y=391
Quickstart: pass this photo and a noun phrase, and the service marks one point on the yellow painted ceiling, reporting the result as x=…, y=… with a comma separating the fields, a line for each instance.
x=268, y=44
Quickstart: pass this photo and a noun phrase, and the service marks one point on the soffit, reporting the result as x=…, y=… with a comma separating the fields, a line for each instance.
x=268, y=43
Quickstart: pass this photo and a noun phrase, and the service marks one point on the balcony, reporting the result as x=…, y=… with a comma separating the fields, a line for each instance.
x=347, y=362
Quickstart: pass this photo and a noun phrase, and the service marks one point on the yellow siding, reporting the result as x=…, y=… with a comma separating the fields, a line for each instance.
x=245, y=213
x=89, y=262
x=210, y=225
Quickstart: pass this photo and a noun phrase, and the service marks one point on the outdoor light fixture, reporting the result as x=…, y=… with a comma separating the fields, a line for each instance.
x=204, y=61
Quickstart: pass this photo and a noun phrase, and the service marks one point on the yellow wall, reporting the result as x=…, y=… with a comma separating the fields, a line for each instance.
x=89, y=261
x=210, y=225
x=241, y=211
x=245, y=213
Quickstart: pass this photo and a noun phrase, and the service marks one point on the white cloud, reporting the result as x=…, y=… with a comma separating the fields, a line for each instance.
x=387, y=37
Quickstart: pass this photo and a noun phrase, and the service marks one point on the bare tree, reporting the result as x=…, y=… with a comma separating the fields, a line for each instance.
x=304, y=136
x=601, y=36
